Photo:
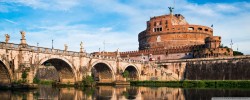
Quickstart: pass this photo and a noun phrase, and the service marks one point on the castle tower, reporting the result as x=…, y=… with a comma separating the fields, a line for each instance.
x=213, y=42
x=172, y=30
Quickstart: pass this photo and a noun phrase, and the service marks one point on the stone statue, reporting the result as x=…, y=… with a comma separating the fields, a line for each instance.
x=171, y=9
x=117, y=50
x=23, y=35
x=65, y=47
x=81, y=44
x=7, y=38
x=117, y=53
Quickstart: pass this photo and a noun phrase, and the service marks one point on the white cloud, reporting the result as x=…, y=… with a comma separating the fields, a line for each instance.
x=228, y=18
x=74, y=34
x=47, y=4
x=10, y=21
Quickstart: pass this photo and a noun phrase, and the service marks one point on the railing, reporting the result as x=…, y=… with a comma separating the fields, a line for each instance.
x=44, y=50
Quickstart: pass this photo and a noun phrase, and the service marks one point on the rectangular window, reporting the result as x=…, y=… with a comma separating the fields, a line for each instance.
x=158, y=29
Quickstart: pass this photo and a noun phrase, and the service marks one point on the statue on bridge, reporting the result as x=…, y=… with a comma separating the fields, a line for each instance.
x=23, y=35
x=117, y=53
x=23, y=40
x=65, y=47
x=81, y=47
x=7, y=38
x=81, y=44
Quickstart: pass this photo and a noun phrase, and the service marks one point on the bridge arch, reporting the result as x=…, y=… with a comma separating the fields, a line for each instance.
x=133, y=70
x=102, y=71
x=6, y=75
x=65, y=69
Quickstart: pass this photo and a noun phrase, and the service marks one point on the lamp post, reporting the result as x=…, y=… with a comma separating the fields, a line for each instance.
x=52, y=44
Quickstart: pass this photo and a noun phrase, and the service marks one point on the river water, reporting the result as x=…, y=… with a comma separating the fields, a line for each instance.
x=121, y=93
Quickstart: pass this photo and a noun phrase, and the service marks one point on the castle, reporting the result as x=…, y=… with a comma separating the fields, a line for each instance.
x=172, y=37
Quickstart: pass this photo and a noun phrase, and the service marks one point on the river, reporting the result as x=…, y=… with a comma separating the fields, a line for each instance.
x=45, y=92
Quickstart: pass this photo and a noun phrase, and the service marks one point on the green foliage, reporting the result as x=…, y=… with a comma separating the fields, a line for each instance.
x=237, y=53
x=195, y=84
x=43, y=82
x=125, y=74
x=24, y=75
x=88, y=81
x=46, y=82
x=36, y=80
x=201, y=84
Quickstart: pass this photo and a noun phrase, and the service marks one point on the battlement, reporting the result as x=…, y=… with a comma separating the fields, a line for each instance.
x=159, y=51
x=213, y=39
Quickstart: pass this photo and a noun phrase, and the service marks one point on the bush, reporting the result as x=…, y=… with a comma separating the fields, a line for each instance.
x=196, y=84
x=88, y=81
x=237, y=53
x=24, y=76
x=125, y=74
x=36, y=80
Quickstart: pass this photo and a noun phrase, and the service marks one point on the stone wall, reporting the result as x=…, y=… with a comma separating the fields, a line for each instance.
x=236, y=69
x=47, y=73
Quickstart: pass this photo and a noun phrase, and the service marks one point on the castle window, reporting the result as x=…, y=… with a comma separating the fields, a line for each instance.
x=206, y=29
x=158, y=29
x=199, y=29
x=191, y=28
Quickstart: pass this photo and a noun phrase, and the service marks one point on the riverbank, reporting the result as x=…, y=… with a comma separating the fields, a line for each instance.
x=195, y=83
x=19, y=86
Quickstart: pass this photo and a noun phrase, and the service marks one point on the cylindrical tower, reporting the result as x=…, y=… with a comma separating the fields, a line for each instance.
x=169, y=31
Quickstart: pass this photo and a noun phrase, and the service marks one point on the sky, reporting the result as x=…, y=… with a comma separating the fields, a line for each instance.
x=117, y=22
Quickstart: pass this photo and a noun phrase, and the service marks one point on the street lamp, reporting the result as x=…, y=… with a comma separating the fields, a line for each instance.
x=52, y=44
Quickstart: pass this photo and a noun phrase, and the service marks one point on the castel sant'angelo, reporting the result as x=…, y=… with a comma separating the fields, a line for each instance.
x=172, y=37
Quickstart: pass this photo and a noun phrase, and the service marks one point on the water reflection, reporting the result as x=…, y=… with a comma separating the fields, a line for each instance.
x=120, y=93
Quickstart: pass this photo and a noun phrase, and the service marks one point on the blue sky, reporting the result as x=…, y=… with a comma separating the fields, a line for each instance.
x=117, y=22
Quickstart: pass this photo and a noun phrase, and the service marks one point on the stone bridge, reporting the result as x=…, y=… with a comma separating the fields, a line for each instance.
x=16, y=59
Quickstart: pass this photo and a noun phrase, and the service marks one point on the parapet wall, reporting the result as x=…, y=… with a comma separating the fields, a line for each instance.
x=226, y=68
x=219, y=70
x=160, y=51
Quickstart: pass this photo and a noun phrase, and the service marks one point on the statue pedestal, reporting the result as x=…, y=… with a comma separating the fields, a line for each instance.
x=81, y=50
x=23, y=41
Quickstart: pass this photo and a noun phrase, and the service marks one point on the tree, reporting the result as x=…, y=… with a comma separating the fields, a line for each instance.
x=237, y=53
x=88, y=81
x=24, y=76
x=125, y=74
